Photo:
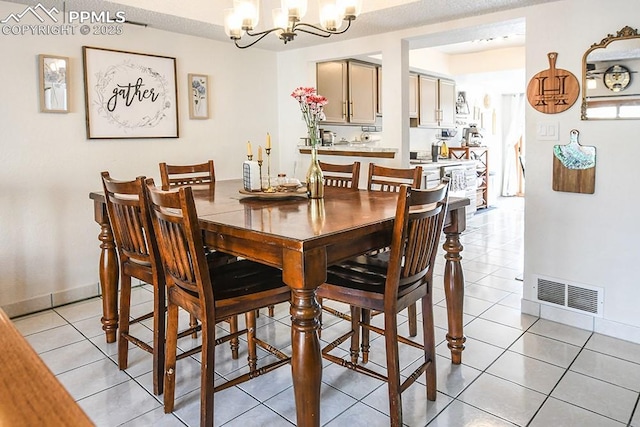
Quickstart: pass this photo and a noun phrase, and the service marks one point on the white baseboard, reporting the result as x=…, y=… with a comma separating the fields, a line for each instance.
x=45, y=302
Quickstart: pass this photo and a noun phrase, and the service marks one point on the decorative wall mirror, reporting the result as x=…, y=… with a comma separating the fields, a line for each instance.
x=611, y=77
x=54, y=83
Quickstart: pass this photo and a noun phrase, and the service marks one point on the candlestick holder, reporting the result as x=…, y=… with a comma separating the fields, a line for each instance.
x=260, y=168
x=269, y=189
x=249, y=157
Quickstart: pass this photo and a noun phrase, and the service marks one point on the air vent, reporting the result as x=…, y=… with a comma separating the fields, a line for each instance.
x=570, y=295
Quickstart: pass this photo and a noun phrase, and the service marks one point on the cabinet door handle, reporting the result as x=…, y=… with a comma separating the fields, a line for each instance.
x=351, y=109
x=344, y=109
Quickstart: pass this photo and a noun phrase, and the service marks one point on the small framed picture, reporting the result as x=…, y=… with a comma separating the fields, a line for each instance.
x=198, y=96
x=54, y=83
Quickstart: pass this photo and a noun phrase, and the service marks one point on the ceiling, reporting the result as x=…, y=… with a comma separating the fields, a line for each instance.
x=203, y=18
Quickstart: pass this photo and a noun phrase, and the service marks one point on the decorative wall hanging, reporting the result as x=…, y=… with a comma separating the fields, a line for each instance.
x=54, y=83
x=129, y=95
x=198, y=96
x=574, y=166
x=553, y=90
x=462, y=107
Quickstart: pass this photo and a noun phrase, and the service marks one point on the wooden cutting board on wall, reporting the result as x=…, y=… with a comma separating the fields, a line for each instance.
x=553, y=90
x=574, y=166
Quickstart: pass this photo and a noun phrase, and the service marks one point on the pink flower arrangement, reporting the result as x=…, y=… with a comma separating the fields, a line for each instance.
x=311, y=105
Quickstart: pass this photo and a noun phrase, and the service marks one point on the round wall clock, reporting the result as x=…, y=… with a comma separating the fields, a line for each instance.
x=617, y=78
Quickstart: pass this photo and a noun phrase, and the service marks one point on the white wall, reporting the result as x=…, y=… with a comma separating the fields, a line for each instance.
x=589, y=239
x=48, y=242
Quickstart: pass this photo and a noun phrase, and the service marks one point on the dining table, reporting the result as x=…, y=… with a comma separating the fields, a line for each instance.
x=301, y=237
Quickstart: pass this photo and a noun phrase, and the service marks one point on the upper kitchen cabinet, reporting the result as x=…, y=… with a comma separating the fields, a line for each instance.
x=436, y=102
x=351, y=89
x=413, y=96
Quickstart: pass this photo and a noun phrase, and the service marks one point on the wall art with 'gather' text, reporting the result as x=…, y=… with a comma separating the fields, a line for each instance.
x=129, y=95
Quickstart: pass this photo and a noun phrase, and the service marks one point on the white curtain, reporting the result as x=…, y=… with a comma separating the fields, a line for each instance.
x=513, y=114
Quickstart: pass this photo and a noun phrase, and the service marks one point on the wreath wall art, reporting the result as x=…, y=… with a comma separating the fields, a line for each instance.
x=129, y=95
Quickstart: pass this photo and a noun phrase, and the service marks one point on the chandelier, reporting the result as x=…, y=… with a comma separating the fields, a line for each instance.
x=245, y=14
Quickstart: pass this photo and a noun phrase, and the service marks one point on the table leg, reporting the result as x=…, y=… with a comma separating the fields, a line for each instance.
x=108, y=279
x=306, y=361
x=454, y=286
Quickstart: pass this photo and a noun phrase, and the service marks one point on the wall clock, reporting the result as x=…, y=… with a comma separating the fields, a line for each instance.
x=617, y=78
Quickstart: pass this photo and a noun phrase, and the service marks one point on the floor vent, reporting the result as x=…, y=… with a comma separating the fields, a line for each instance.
x=573, y=296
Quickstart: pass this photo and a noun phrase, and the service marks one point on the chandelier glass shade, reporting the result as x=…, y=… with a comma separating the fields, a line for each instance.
x=243, y=18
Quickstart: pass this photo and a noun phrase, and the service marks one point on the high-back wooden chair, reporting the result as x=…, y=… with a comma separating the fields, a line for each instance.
x=407, y=277
x=178, y=175
x=210, y=294
x=382, y=178
x=343, y=176
x=138, y=257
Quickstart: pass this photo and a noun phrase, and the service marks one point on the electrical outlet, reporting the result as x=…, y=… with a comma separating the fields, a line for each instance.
x=548, y=131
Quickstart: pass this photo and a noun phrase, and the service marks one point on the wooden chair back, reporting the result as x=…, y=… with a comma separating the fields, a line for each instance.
x=416, y=233
x=343, y=176
x=179, y=175
x=130, y=221
x=382, y=178
x=180, y=244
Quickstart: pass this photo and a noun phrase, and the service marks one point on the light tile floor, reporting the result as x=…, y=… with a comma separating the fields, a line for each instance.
x=516, y=370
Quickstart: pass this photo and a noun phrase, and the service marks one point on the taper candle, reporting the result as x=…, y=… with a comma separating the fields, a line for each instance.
x=259, y=153
x=268, y=146
x=249, y=153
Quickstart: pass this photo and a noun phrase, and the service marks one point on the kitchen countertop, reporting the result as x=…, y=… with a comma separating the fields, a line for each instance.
x=428, y=164
x=353, y=150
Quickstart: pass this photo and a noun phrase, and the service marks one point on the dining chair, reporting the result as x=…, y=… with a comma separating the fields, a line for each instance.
x=382, y=178
x=138, y=258
x=178, y=175
x=210, y=294
x=389, y=287
x=340, y=175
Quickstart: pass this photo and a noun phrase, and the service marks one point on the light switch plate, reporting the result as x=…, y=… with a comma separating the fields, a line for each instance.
x=548, y=131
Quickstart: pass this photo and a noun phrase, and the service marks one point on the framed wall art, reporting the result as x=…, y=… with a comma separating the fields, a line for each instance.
x=54, y=83
x=198, y=96
x=129, y=95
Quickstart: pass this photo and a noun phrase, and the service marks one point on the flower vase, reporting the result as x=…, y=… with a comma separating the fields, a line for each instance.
x=315, y=180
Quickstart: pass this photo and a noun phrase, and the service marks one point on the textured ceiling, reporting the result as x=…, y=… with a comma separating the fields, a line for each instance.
x=203, y=17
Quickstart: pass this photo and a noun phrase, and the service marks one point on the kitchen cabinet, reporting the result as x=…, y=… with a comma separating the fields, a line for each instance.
x=379, y=91
x=351, y=88
x=436, y=102
x=413, y=96
x=481, y=156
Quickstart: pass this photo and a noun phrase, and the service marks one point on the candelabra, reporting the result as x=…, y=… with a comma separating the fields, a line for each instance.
x=269, y=188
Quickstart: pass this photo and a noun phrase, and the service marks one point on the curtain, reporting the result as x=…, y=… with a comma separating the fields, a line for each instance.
x=513, y=113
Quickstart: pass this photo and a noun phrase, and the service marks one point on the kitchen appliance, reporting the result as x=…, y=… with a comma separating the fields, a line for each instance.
x=471, y=136
x=328, y=137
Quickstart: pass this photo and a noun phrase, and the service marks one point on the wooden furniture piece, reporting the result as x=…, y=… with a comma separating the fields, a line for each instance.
x=387, y=179
x=436, y=102
x=211, y=295
x=139, y=258
x=302, y=237
x=380, y=153
x=344, y=176
x=30, y=395
x=389, y=287
x=382, y=178
x=481, y=155
x=177, y=175
x=352, y=87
